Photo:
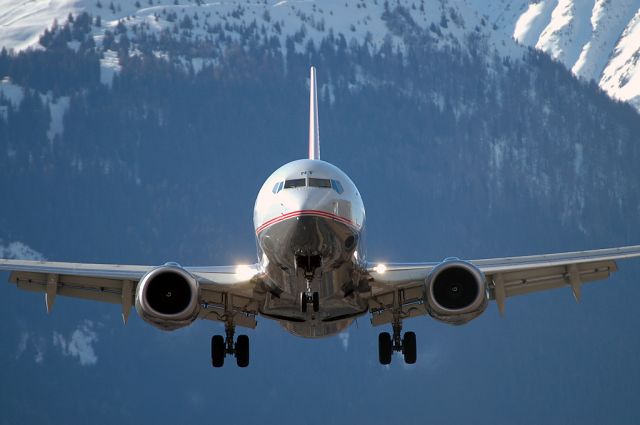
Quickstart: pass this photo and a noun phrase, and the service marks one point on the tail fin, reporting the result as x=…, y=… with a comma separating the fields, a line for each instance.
x=314, y=131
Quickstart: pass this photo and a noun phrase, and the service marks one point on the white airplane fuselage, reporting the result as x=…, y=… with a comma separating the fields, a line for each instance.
x=309, y=218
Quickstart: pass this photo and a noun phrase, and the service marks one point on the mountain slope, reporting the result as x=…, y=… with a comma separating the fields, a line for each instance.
x=597, y=39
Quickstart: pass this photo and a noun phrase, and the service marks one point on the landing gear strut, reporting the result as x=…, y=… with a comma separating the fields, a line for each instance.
x=309, y=264
x=387, y=345
x=221, y=346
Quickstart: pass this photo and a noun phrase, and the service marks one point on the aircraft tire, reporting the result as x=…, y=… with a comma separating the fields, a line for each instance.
x=242, y=351
x=217, y=351
x=385, y=348
x=409, y=349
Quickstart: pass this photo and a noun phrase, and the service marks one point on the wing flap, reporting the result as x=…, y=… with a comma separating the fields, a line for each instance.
x=525, y=281
x=95, y=289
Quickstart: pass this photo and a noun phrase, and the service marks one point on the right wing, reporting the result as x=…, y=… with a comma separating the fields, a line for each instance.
x=223, y=289
x=399, y=287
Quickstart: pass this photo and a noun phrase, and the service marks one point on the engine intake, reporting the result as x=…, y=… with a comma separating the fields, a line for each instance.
x=167, y=297
x=456, y=292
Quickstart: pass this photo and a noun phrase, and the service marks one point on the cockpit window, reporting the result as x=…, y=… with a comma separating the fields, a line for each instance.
x=295, y=183
x=337, y=186
x=277, y=187
x=313, y=182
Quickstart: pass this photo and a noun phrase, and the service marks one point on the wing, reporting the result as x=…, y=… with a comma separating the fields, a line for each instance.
x=400, y=286
x=222, y=289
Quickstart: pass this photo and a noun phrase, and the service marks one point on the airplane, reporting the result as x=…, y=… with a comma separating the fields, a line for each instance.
x=311, y=275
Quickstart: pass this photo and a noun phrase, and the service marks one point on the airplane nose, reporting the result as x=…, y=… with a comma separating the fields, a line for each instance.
x=298, y=201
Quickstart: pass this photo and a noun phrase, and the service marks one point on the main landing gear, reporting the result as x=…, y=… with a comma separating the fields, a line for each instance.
x=387, y=345
x=221, y=346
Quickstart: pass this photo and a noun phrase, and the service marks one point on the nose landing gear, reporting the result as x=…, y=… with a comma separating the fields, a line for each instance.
x=309, y=264
x=309, y=298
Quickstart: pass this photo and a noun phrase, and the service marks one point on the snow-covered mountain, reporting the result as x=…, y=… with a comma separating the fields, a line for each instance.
x=23, y=23
x=598, y=40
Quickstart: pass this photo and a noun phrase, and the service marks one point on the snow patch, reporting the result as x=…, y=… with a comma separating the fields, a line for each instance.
x=608, y=21
x=344, y=339
x=569, y=30
x=79, y=344
x=19, y=251
x=578, y=160
x=22, y=22
x=109, y=67
x=596, y=39
x=22, y=344
x=11, y=92
x=621, y=77
x=57, y=109
x=531, y=23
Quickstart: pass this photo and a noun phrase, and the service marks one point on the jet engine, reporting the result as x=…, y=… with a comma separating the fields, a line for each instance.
x=167, y=297
x=456, y=292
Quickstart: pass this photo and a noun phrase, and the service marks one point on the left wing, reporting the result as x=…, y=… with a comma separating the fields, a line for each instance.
x=399, y=287
x=222, y=289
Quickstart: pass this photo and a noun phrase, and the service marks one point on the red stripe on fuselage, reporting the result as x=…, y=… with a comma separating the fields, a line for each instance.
x=293, y=214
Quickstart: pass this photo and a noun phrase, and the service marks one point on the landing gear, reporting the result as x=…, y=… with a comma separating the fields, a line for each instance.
x=309, y=264
x=221, y=346
x=309, y=298
x=387, y=345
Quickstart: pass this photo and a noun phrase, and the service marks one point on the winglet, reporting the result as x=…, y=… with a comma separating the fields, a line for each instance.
x=314, y=131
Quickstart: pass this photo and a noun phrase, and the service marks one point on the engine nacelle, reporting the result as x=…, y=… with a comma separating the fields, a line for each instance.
x=167, y=297
x=456, y=292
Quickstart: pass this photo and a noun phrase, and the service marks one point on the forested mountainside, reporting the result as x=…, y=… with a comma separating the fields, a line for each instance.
x=458, y=128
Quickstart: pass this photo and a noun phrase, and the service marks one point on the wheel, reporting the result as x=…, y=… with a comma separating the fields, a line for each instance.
x=242, y=351
x=303, y=302
x=217, y=351
x=385, y=348
x=316, y=302
x=409, y=347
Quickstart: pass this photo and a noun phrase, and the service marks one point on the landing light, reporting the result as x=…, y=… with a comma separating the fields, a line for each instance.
x=244, y=272
x=380, y=268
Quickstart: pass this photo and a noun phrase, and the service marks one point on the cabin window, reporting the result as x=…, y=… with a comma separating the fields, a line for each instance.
x=295, y=183
x=313, y=182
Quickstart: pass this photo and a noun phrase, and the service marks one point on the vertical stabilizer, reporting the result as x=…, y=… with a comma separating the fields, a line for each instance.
x=314, y=131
